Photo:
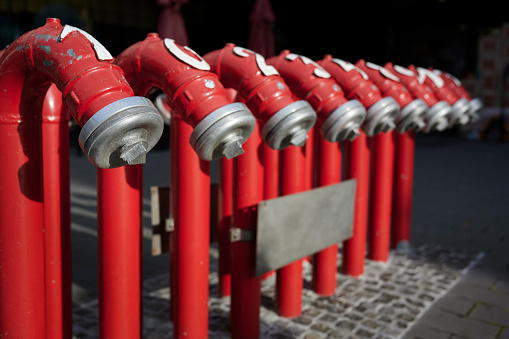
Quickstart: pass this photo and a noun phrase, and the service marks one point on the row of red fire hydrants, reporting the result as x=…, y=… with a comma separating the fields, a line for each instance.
x=231, y=104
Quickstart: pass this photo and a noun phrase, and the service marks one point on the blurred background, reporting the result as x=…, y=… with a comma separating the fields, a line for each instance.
x=467, y=39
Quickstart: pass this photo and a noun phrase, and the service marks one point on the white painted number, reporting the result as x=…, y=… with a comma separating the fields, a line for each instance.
x=319, y=71
x=450, y=76
x=101, y=51
x=384, y=71
x=403, y=70
x=348, y=66
x=423, y=73
x=184, y=57
x=260, y=60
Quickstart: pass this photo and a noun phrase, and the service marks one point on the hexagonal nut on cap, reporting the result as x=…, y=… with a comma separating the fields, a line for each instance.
x=222, y=132
x=459, y=114
x=436, y=118
x=411, y=116
x=122, y=133
x=380, y=116
x=475, y=106
x=289, y=125
x=344, y=122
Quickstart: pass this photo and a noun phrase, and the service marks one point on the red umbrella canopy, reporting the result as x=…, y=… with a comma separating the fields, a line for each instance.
x=171, y=22
x=261, y=37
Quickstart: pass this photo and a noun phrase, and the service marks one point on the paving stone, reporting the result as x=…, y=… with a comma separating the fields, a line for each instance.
x=501, y=286
x=455, y=304
x=385, y=319
x=371, y=324
x=362, y=333
x=303, y=320
x=483, y=295
x=465, y=326
x=424, y=332
x=491, y=314
x=504, y=334
x=321, y=327
x=328, y=318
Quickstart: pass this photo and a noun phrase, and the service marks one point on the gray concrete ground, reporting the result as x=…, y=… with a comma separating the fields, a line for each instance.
x=460, y=208
x=460, y=201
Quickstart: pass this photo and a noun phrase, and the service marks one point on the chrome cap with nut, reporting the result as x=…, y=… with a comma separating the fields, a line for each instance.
x=475, y=106
x=380, y=116
x=411, y=117
x=437, y=117
x=460, y=113
x=344, y=122
x=222, y=132
x=289, y=125
x=122, y=133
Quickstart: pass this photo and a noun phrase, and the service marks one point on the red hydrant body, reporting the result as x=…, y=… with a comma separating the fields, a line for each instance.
x=195, y=93
x=283, y=120
x=459, y=106
x=382, y=157
x=216, y=128
x=412, y=109
x=338, y=119
x=436, y=118
x=381, y=113
x=76, y=63
x=455, y=85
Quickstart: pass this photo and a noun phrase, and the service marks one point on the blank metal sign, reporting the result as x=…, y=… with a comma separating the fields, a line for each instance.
x=297, y=225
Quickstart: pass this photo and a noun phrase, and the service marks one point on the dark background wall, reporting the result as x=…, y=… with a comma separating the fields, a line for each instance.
x=442, y=34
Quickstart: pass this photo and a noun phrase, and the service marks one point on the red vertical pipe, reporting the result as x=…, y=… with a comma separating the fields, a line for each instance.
x=119, y=231
x=225, y=203
x=224, y=215
x=57, y=216
x=271, y=172
x=402, y=190
x=357, y=166
x=270, y=159
x=308, y=167
x=289, y=281
x=27, y=67
x=380, y=196
x=245, y=292
x=190, y=179
x=309, y=153
x=21, y=228
x=327, y=172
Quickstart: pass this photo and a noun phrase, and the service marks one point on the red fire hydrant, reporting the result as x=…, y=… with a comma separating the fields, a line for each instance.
x=283, y=121
x=102, y=102
x=205, y=126
x=459, y=106
x=381, y=113
x=338, y=119
x=408, y=120
x=436, y=118
x=456, y=86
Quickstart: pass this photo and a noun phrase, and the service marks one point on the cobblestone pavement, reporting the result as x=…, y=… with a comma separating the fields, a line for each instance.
x=383, y=303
